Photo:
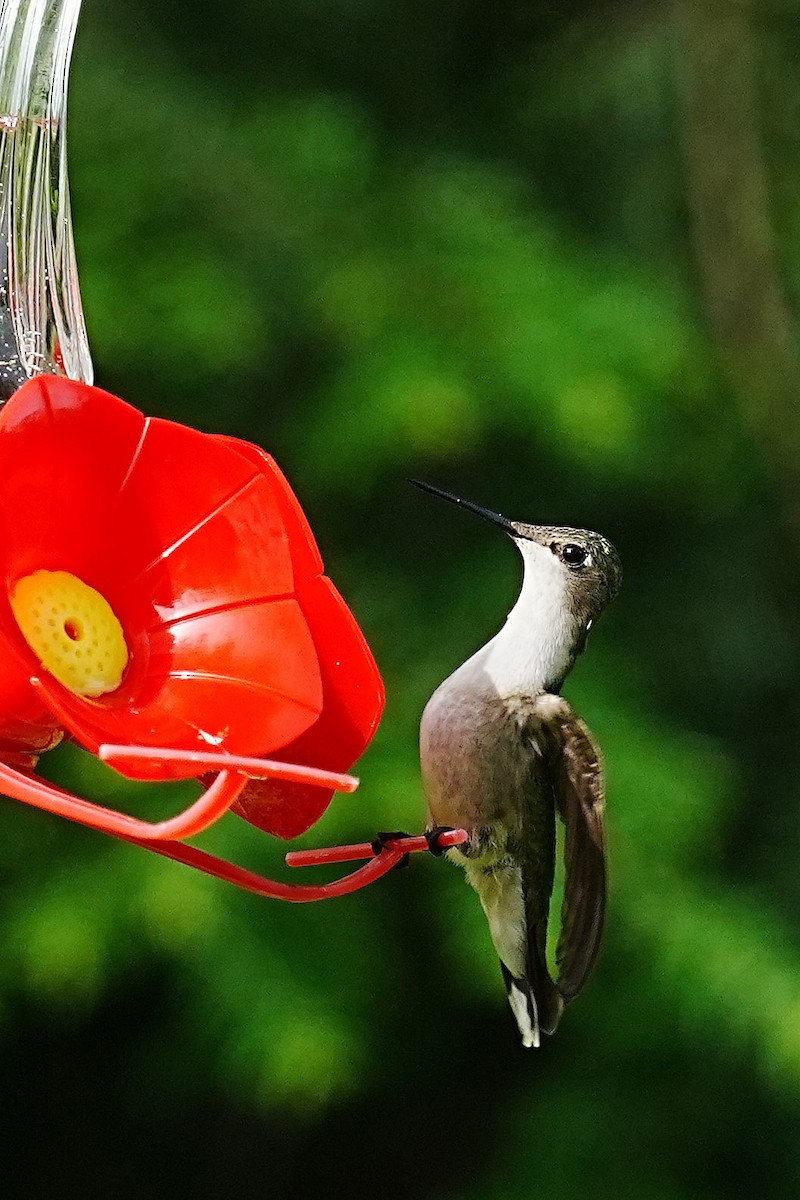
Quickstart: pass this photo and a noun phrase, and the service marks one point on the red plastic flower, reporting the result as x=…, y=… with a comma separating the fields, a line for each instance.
x=161, y=587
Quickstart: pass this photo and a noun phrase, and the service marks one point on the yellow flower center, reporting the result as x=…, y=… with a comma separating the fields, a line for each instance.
x=72, y=630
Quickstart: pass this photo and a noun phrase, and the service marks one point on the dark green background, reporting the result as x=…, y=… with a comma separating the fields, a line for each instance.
x=544, y=255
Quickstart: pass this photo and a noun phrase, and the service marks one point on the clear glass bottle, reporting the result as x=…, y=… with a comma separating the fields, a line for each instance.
x=42, y=327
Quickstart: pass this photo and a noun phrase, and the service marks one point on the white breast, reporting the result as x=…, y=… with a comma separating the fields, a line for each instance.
x=534, y=647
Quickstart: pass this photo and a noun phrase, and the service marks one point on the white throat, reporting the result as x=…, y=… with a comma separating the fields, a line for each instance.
x=534, y=648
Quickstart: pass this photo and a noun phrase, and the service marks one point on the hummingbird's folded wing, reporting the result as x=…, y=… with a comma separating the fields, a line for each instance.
x=579, y=795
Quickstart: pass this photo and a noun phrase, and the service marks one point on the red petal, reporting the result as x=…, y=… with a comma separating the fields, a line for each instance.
x=196, y=526
x=64, y=448
x=353, y=699
x=306, y=557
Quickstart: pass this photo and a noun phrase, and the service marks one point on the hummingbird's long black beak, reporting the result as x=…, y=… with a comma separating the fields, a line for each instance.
x=486, y=513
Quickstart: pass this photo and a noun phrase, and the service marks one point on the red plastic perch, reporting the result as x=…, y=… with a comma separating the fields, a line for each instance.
x=392, y=853
x=214, y=760
x=399, y=845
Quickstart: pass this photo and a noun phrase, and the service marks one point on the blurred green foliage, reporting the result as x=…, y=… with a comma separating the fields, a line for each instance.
x=450, y=241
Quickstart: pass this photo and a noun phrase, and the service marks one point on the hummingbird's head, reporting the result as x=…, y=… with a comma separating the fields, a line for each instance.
x=569, y=569
x=585, y=562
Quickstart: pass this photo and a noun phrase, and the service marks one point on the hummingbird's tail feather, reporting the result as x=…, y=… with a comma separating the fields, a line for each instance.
x=519, y=931
x=535, y=1002
x=523, y=1006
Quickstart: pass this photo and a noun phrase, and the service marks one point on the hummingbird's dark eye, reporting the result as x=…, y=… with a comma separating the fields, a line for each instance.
x=572, y=555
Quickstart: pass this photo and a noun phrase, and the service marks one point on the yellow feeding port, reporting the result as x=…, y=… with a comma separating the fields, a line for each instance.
x=72, y=630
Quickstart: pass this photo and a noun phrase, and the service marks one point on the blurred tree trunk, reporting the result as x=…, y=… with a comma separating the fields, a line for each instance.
x=734, y=243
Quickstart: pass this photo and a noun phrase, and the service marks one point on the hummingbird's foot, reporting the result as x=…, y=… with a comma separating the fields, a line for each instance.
x=379, y=845
x=433, y=836
x=481, y=840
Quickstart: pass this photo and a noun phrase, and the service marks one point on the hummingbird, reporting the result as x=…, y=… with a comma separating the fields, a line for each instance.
x=502, y=752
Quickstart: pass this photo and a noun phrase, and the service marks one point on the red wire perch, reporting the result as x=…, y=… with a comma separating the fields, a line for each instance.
x=401, y=845
x=292, y=892
x=392, y=853
x=213, y=760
